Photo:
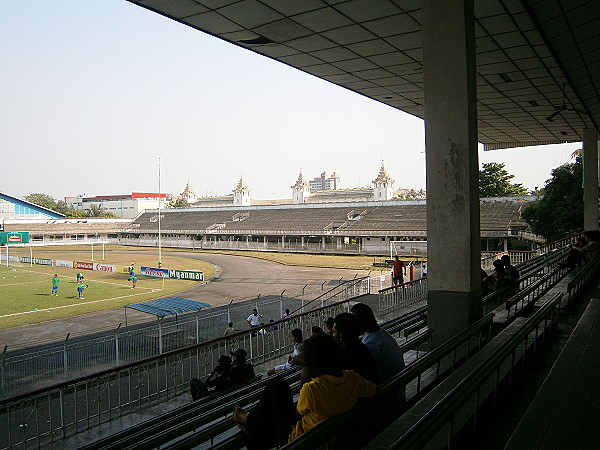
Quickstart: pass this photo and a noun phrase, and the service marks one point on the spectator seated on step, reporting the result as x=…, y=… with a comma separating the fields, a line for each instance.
x=355, y=355
x=294, y=358
x=383, y=347
x=241, y=372
x=218, y=380
x=330, y=391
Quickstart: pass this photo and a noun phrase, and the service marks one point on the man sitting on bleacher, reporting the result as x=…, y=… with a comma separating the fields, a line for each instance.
x=384, y=348
x=241, y=372
x=355, y=355
x=218, y=379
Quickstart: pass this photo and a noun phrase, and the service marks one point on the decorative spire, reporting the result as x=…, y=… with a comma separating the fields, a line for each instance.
x=301, y=182
x=383, y=176
x=188, y=191
x=241, y=187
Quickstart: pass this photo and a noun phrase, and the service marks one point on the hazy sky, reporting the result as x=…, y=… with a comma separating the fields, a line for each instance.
x=92, y=92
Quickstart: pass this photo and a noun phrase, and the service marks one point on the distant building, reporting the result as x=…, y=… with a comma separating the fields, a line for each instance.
x=188, y=194
x=325, y=183
x=300, y=190
x=241, y=194
x=14, y=208
x=383, y=186
x=124, y=206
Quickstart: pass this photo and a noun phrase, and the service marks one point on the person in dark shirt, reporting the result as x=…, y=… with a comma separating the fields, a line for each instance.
x=218, y=379
x=240, y=372
x=512, y=272
x=355, y=355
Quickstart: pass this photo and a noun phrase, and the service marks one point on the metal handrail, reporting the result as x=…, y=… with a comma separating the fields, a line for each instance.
x=161, y=429
x=332, y=426
x=73, y=406
x=443, y=411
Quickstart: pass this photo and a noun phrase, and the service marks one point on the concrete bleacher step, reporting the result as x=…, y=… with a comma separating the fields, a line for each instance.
x=408, y=419
x=565, y=413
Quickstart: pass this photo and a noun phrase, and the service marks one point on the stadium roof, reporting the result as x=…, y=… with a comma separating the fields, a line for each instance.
x=538, y=62
x=25, y=208
x=168, y=306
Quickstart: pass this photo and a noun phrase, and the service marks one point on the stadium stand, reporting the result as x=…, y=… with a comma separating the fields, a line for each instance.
x=369, y=227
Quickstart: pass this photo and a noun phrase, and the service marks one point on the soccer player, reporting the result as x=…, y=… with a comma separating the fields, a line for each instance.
x=132, y=270
x=80, y=288
x=133, y=280
x=55, y=282
x=79, y=277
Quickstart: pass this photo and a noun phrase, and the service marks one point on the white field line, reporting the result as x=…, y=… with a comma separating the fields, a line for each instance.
x=24, y=282
x=68, y=280
x=78, y=304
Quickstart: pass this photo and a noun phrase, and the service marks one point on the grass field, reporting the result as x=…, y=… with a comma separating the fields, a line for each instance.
x=25, y=291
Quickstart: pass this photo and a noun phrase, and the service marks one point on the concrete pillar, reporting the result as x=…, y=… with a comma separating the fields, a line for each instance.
x=454, y=287
x=302, y=241
x=323, y=242
x=590, y=179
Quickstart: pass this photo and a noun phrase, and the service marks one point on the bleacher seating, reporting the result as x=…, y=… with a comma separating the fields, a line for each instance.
x=495, y=216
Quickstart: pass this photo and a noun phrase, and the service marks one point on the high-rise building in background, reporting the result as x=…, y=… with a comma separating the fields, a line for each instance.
x=325, y=183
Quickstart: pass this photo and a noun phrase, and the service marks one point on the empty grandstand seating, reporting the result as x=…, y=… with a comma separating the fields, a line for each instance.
x=502, y=215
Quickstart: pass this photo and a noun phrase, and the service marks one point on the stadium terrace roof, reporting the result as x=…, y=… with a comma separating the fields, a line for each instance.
x=22, y=207
x=168, y=306
x=538, y=62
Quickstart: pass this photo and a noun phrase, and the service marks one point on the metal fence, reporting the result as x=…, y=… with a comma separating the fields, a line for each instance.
x=393, y=298
x=25, y=371
x=439, y=425
x=52, y=413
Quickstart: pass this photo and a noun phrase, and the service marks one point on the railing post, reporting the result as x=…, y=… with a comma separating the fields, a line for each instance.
x=229, y=312
x=281, y=304
x=3, y=371
x=302, y=308
x=117, y=355
x=198, y=326
x=65, y=361
x=160, y=337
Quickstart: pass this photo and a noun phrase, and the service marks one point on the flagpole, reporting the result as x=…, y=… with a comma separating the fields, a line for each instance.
x=159, y=249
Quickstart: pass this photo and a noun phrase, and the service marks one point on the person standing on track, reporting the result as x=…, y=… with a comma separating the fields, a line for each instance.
x=399, y=271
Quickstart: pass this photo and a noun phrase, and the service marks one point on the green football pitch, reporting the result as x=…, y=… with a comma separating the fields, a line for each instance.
x=25, y=291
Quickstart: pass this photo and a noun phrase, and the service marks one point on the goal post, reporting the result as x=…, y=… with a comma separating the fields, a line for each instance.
x=408, y=248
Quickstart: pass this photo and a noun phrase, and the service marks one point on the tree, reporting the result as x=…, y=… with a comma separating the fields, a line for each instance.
x=43, y=200
x=560, y=211
x=76, y=213
x=494, y=181
x=179, y=203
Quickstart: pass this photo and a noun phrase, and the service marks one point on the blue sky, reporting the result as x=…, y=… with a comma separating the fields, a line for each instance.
x=93, y=92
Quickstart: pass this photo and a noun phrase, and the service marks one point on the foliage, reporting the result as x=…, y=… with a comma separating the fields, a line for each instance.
x=179, y=203
x=410, y=194
x=76, y=213
x=560, y=211
x=494, y=181
x=97, y=211
x=43, y=200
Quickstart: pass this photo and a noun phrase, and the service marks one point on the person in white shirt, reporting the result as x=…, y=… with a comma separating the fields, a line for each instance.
x=254, y=318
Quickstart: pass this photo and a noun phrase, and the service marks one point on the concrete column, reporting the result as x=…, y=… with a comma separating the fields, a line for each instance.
x=454, y=287
x=302, y=241
x=590, y=179
x=322, y=242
